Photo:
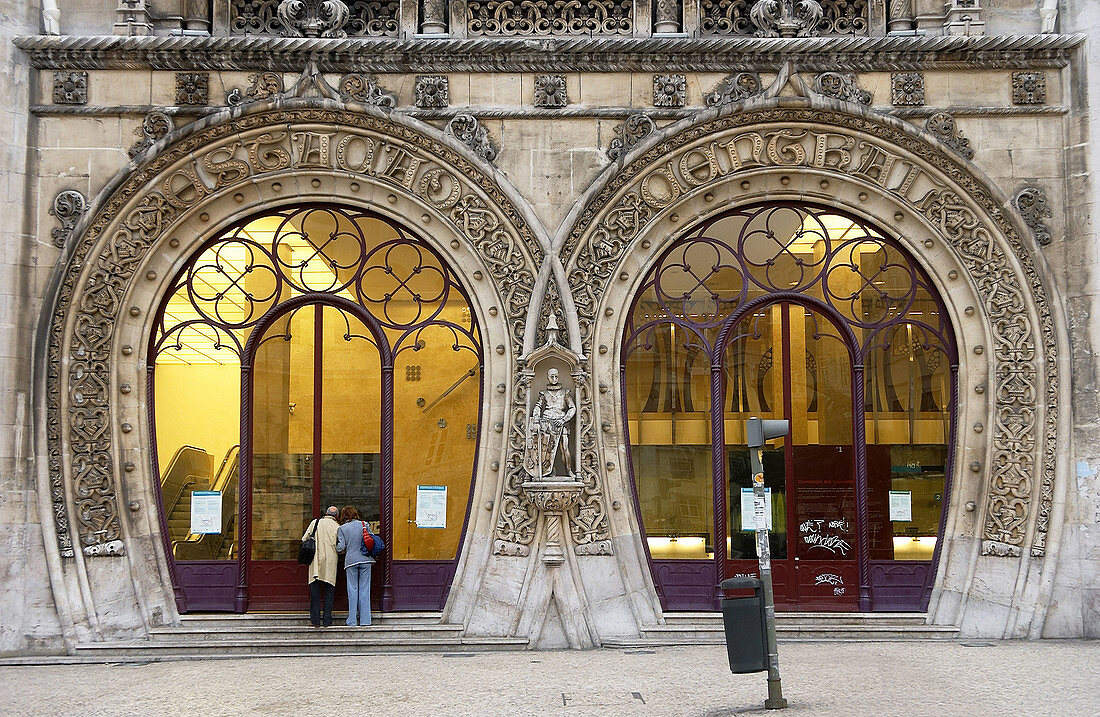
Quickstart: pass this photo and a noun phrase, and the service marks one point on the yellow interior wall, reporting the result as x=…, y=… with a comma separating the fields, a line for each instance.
x=186, y=416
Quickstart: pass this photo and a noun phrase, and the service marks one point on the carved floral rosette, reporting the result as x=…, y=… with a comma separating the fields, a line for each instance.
x=969, y=219
x=201, y=166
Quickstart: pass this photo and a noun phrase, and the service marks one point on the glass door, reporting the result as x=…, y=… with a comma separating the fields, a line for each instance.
x=315, y=442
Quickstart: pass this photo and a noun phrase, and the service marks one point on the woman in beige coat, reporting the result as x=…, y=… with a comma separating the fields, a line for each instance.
x=322, y=571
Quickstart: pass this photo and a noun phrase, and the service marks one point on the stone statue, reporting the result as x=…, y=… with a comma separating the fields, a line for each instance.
x=548, y=430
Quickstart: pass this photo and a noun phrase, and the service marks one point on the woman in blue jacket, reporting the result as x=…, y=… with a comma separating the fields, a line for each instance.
x=357, y=564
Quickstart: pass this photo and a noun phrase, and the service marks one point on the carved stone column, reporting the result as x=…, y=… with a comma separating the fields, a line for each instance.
x=435, y=18
x=554, y=499
x=901, y=16
x=196, y=16
x=666, y=17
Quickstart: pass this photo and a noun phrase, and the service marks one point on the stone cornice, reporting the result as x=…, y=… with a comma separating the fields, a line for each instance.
x=713, y=54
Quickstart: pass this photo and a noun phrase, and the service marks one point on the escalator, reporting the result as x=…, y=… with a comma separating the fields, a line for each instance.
x=214, y=546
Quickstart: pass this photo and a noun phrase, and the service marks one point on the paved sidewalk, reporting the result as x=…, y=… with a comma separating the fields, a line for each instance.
x=971, y=678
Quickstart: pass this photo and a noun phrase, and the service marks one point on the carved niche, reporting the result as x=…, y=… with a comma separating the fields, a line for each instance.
x=212, y=162
x=1021, y=470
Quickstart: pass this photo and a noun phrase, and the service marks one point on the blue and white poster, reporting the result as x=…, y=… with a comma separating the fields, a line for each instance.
x=206, y=512
x=431, y=506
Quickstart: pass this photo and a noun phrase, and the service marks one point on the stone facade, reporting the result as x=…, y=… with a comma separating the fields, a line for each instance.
x=550, y=181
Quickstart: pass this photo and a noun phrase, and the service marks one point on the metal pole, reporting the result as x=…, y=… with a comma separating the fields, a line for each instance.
x=775, y=699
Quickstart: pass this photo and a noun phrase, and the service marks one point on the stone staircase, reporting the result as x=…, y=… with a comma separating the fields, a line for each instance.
x=705, y=628
x=290, y=635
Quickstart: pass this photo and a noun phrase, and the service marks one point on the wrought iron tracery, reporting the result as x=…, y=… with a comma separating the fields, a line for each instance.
x=366, y=18
x=549, y=17
x=733, y=17
x=237, y=278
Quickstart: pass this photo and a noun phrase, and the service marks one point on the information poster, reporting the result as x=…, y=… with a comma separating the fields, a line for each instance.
x=901, y=505
x=748, y=509
x=206, y=512
x=431, y=506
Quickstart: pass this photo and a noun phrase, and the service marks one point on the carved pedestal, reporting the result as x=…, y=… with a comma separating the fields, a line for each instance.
x=553, y=499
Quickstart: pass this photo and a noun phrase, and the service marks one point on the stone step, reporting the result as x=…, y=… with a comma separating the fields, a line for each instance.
x=375, y=631
x=321, y=641
x=229, y=621
x=909, y=619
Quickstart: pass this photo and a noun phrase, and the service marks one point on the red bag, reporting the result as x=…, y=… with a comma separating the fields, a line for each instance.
x=368, y=539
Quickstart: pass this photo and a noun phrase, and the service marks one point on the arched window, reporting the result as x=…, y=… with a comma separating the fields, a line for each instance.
x=808, y=314
x=311, y=356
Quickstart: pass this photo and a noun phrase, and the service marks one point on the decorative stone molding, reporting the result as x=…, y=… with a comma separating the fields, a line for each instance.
x=365, y=90
x=265, y=85
x=155, y=126
x=629, y=133
x=572, y=54
x=70, y=88
x=466, y=129
x=1032, y=203
x=1029, y=88
x=550, y=91
x=366, y=18
x=786, y=18
x=192, y=88
x=549, y=17
x=907, y=89
x=212, y=161
x=669, y=90
x=841, y=86
x=313, y=18
x=914, y=174
x=68, y=207
x=432, y=91
x=735, y=88
x=946, y=130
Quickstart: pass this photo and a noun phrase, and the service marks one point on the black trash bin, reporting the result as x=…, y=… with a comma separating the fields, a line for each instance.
x=746, y=633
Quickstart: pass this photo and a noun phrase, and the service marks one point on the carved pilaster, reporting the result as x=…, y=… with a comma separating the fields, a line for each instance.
x=435, y=18
x=901, y=16
x=666, y=16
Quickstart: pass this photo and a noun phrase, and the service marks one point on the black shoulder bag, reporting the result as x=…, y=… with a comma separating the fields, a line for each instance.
x=309, y=546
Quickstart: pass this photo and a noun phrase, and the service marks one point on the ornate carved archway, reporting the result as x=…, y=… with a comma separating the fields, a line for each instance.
x=952, y=219
x=186, y=188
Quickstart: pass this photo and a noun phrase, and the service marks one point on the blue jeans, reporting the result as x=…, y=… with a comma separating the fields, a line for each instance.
x=358, y=593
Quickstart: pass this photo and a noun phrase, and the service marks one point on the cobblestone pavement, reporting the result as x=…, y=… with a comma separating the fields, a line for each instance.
x=973, y=678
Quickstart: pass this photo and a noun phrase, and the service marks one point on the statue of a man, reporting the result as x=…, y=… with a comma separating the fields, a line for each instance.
x=548, y=433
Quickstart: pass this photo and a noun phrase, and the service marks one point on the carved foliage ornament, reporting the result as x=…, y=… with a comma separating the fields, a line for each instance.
x=192, y=88
x=786, y=18
x=907, y=89
x=550, y=91
x=366, y=18
x=841, y=86
x=1032, y=203
x=629, y=133
x=155, y=126
x=669, y=90
x=466, y=129
x=70, y=88
x=264, y=85
x=68, y=207
x=215, y=160
x=734, y=17
x=432, y=91
x=946, y=130
x=313, y=18
x=867, y=149
x=735, y=88
x=365, y=90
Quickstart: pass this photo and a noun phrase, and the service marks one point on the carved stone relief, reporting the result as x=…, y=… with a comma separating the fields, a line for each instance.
x=466, y=129
x=841, y=86
x=669, y=90
x=550, y=91
x=1029, y=88
x=155, y=126
x=786, y=18
x=735, y=88
x=907, y=89
x=432, y=91
x=550, y=17
x=365, y=90
x=209, y=163
x=264, y=85
x=833, y=17
x=910, y=171
x=313, y=18
x=70, y=88
x=629, y=133
x=193, y=88
x=946, y=130
x=68, y=207
x=1032, y=203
